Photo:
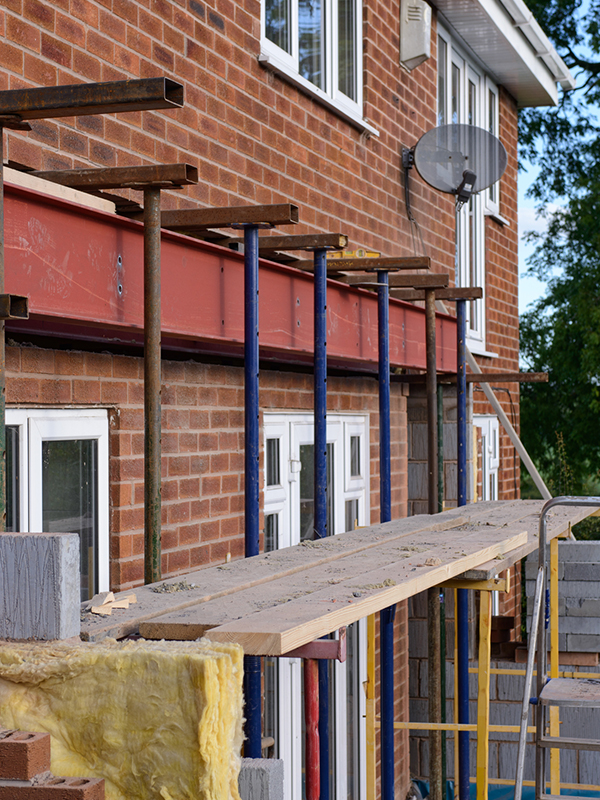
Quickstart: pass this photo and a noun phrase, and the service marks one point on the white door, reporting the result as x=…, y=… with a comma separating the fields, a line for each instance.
x=289, y=510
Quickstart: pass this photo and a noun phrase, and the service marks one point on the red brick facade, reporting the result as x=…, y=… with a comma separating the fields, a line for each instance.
x=254, y=139
x=202, y=444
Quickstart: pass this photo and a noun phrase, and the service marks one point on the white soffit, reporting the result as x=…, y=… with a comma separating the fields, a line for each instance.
x=505, y=36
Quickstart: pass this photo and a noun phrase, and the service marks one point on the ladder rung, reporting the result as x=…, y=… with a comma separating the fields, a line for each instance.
x=563, y=743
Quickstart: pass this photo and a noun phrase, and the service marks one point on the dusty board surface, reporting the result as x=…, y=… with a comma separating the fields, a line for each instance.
x=278, y=629
x=219, y=581
x=222, y=580
x=558, y=521
x=217, y=589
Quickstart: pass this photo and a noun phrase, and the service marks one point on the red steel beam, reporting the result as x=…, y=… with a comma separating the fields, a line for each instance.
x=65, y=258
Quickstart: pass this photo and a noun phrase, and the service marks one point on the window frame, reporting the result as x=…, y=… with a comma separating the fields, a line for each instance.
x=287, y=64
x=37, y=425
x=470, y=228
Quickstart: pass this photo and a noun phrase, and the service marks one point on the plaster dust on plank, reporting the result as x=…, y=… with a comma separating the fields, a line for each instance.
x=399, y=559
x=220, y=581
x=212, y=583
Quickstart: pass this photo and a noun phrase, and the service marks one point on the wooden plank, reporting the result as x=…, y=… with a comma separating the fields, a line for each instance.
x=224, y=579
x=559, y=520
x=279, y=629
x=200, y=218
x=196, y=620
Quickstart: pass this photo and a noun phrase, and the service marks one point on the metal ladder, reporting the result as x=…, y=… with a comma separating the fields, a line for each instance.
x=557, y=692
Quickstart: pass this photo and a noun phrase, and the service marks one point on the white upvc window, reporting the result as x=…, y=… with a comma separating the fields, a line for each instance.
x=57, y=481
x=467, y=96
x=288, y=509
x=317, y=44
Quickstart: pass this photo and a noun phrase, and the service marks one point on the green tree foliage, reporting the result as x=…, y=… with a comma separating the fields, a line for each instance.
x=560, y=421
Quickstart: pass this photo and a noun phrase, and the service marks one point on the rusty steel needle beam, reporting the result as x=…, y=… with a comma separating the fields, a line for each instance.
x=163, y=176
x=91, y=98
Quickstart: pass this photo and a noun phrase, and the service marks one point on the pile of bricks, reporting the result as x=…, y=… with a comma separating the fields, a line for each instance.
x=25, y=771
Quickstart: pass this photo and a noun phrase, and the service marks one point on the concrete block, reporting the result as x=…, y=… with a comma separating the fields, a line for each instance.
x=450, y=443
x=417, y=480
x=417, y=638
x=418, y=439
x=580, y=625
x=507, y=761
x=511, y=687
x=582, y=589
x=40, y=591
x=415, y=767
x=450, y=481
x=505, y=714
x=588, y=552
x=589, y=767
x=24, y=755
x=419, y=605
x=581, y=642
x=261, y=779
x=413, y=677
x=582, y=607
x=575, y=571
x=418, y=710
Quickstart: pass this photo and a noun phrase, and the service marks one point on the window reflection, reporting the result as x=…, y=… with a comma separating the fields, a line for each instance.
x=310, y=41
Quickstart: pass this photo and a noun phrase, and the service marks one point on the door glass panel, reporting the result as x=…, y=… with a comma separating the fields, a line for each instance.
x=455, y=100
x=13, y=519
x=347, y=48
x=278, y=21
x=442, y=80
x=69, y=499
x=311, y=22
x=351, y=514
x=271, y=532
x=307, y=491
x=355, y=456
x=273, y=476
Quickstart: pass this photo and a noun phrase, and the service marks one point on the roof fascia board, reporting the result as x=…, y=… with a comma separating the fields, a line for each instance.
x=535, y=52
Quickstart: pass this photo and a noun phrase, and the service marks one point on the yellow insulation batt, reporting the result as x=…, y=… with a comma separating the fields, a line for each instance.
x=156, y=720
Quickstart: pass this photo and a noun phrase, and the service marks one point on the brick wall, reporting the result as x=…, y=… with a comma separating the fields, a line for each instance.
x=253, y=137
x=202, y=444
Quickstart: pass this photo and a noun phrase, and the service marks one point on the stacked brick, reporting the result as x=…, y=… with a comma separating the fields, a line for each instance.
x=25, y=771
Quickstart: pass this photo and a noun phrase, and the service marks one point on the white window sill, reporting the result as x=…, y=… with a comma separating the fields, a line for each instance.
x=478, y=348
x=497, y=217
x=281, y=69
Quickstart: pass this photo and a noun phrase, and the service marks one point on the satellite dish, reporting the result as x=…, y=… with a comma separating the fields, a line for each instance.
x=443, y=155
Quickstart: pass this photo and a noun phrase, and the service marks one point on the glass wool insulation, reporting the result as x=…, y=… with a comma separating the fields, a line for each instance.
x=156, y=720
